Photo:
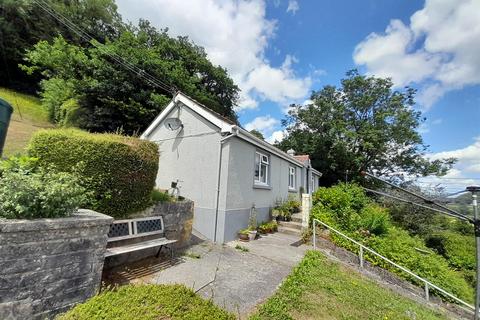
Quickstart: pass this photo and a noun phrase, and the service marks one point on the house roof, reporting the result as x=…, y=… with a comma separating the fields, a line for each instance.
x=225, y=126
x=302, y=157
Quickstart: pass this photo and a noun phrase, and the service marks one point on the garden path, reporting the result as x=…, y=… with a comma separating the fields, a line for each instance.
x=237, y=280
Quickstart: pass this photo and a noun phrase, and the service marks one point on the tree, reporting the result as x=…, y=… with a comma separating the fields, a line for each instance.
x=257, y=134
x=23, y=23
x=86, y=87
x=363, y=125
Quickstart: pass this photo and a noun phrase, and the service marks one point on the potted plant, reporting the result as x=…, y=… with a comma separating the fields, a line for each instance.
x=252, y=223
x=243, y=235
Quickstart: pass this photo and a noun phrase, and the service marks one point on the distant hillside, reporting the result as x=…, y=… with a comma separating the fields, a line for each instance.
x=28, y=116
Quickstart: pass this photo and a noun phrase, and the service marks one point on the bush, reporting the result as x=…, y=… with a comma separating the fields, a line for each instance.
x=120, y=171
x=161, y=196
x=375, y=220
x=147, y=302
x=28, y=192
x=347, y=208
x=458, y=249
x=402, y=248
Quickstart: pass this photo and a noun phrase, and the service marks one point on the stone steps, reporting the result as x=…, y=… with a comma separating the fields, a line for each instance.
x=291, y=224
x=297, y=217
x=291, y=231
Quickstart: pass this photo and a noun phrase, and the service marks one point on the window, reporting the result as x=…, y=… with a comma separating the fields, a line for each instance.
x=261, y=168
x=291, y=177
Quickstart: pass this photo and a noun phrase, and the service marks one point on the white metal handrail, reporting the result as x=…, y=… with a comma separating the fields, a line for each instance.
x=427, y=283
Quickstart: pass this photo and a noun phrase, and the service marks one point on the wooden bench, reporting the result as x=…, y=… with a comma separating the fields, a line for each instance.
x=136, y=228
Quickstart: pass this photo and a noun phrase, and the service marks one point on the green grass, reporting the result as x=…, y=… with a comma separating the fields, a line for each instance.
x=241, y=248
x=322, y=289
x=27, y=118
x=147, y=302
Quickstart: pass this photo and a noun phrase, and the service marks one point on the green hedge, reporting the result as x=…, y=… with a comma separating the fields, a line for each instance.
x=120, y=171
x=147, y=302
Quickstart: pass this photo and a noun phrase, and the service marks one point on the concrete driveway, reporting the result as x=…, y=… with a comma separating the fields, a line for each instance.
x=235, y=280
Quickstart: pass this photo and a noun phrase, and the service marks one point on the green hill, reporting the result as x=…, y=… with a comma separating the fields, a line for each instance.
x=319, y=288
x=28, y=116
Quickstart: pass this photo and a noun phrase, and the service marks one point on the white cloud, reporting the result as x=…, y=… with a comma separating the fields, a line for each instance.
x=439, y=49
x=276, y=136
x=464, y=172
x=235, y=35
x=264, y=124
x=278, y=84
x=293, y=6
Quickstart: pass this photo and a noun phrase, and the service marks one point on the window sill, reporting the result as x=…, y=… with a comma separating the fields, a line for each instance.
x=261, y=186
x=292, y=190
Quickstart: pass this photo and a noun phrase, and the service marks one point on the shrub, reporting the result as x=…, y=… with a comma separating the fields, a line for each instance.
x=402, y=248
x=147, y=302
x=160, y=196
x=458, y=249
x=120, y=171
x=340, y=196
x=338, y=208
x=28, y=192
x=375, y=220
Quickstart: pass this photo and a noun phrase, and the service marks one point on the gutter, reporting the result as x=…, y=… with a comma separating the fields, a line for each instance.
x=220, y=154
x=245, y=135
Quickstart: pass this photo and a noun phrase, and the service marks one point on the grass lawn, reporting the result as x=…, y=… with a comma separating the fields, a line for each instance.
x=28, y=116
x=322, y=289
x=147, y=302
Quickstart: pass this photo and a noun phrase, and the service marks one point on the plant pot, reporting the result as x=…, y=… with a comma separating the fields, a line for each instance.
x=252, y=235
x=243, y=237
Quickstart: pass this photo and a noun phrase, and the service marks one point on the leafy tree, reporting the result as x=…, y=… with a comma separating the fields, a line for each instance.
x=23, y=23
x=362, y=125
x=257, y=134
x=86, y=87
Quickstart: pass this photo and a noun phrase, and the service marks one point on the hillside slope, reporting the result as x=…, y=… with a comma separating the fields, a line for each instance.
x=28, y=116
x=319, y=288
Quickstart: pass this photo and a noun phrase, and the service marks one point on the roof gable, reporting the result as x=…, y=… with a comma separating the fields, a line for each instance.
x=224, y=124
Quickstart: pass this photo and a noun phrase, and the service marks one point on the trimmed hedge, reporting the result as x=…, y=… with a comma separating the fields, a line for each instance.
x=120, y=171
x=147, y=302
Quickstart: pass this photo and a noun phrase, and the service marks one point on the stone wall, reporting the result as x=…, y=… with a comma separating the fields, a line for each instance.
x=48, y=265
x=178, y=220
x=178, y=224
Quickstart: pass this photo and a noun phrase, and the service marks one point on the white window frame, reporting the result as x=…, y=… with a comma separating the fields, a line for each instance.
x=292, y=175
x=264, y=160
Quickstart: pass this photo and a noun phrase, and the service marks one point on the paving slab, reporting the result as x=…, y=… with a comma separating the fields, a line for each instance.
x=235, y=280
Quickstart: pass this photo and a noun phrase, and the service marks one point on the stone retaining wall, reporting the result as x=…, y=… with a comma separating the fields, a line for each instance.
x=178, y=224
x=48, y=265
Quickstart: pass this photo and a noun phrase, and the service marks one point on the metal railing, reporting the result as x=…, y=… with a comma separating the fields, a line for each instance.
x=363, y=248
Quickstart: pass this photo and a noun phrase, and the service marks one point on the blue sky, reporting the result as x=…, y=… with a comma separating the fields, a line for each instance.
x=278, y=51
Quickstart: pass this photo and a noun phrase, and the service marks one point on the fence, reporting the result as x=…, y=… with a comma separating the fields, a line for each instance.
x=363, y=248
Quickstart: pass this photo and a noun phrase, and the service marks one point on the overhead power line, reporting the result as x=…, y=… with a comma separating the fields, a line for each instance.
x=426, y=200
x=459, y=216
x=120, y=60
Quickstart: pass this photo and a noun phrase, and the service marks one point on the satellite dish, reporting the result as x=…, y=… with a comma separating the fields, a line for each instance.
x=173, y=124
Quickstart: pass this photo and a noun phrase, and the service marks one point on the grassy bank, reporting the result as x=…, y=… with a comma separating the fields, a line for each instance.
x=147, y=302
x=321, y=289
x=28, y=117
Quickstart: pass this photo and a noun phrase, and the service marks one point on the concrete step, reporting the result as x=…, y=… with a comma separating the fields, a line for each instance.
x=291, y=231
x=290, y=224
x=297, y=217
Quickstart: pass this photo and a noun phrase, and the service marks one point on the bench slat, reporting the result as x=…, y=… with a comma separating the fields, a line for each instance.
x=138, y=246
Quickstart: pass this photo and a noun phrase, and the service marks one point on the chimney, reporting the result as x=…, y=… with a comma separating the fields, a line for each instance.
x=291, y=152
